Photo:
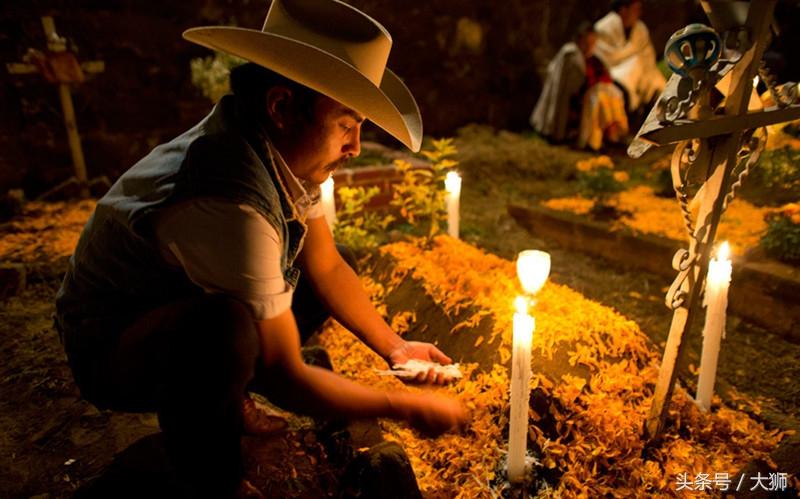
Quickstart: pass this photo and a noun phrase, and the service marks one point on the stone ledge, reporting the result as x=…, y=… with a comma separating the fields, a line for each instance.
x=766, y=293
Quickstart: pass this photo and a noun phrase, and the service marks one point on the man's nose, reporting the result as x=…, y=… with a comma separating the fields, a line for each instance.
x=353, y=146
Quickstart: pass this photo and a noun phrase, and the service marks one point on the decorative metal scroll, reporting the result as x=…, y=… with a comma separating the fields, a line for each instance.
x=716, y=147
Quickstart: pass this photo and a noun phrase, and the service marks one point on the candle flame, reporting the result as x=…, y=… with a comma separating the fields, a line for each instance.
x=521, y=305
x=533, y=267
x=452, y=182
x=723, y=252
x=755, y=81
x=327, y=187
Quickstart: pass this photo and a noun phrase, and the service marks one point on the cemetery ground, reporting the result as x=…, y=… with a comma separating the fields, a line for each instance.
x=52, y=443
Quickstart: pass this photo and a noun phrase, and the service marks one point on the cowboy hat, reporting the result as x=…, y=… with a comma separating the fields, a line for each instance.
x=332, y=48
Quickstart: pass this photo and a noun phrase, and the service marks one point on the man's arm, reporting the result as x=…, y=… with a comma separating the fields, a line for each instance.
x=317, y=391
x=340, y=290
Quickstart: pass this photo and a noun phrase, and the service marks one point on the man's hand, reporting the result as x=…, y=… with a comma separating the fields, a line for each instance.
x=430, y=414
x=423, y=351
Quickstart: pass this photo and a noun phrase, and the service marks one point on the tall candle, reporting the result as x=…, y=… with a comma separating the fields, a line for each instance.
x=524, y=325
x=328, y=202
x=452, y=184
x=716, y=302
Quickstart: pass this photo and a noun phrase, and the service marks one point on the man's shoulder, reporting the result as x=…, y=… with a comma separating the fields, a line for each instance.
x=608, y=22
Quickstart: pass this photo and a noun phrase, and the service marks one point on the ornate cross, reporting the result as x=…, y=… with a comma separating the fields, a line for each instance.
x=716, y=146
x=59, y=66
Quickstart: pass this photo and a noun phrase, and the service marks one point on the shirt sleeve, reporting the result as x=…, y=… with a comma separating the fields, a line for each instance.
x=227, y=248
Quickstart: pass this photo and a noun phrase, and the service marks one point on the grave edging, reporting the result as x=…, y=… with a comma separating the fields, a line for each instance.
x=765, y=293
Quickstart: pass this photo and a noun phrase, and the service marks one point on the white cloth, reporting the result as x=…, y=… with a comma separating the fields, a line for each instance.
x=631, y=61
x=414, y=367
x=565, y=75
x=231, y=248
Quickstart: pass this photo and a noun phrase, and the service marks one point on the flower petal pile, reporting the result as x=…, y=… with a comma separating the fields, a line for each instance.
x=586, y=425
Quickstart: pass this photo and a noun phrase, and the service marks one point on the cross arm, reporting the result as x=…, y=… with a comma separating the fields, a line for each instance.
x=721, y=125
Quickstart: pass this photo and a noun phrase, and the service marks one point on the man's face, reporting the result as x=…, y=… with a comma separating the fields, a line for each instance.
x=587, y=42
x=630, y=14
x=314, y=150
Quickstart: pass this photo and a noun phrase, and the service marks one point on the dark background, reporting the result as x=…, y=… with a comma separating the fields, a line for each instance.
x=465, y=61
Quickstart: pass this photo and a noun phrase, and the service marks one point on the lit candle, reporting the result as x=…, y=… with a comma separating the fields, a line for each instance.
x=533, y=267
x=328, y=202
x=716, y=302
x=452, y=184
x=524, y=325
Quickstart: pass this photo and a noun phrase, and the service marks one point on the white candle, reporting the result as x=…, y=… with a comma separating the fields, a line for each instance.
x=328, y=202
x=452, y=184
x=716, y=302
x=524, y=325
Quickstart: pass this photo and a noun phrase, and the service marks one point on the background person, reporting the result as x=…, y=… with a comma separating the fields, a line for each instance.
x=624, y=46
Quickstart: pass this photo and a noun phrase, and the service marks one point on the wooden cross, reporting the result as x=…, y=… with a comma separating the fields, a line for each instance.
x=60, y=67
x=720, y=138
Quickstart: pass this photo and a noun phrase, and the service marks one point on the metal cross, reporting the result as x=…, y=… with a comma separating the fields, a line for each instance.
x=60, y=67
x=715, y=149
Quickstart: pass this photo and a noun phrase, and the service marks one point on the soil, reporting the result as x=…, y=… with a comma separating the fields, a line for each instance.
x=53, y=444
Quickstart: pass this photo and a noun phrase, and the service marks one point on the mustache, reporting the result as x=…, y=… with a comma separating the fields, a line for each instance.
x=339, y=163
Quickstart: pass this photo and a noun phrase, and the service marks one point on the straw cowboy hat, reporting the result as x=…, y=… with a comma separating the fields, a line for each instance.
x=332, y=48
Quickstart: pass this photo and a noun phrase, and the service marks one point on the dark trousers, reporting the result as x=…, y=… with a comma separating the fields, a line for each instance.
x=191, y=362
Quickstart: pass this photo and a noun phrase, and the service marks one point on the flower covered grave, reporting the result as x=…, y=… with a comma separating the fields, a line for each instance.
x=593, y=378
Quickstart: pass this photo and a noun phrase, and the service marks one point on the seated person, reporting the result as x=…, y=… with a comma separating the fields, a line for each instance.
x=624, y=46
x=603, y=107
x=578, y=94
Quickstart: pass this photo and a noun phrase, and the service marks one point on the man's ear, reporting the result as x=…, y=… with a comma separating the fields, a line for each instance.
x=279, y=106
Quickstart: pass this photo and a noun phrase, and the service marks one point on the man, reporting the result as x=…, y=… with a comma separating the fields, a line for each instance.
x=623, y=44
x=179, y=296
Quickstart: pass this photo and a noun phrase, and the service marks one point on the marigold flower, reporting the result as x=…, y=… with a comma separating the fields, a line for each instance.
x=621, y=176
x=790, y=209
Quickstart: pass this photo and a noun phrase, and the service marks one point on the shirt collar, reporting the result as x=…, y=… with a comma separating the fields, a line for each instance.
x=301, y=193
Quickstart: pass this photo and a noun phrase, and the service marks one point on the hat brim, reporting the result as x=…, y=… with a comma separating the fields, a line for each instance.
x=390, y=105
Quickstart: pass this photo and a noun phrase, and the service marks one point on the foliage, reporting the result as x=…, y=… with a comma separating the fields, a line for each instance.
x=210, y=74
x=356, y=227
x=782, y=238
x=663, y=184
x=598, y=180
x=420, y=195
x=599, y=183
x=776, y=176
x=487, y=154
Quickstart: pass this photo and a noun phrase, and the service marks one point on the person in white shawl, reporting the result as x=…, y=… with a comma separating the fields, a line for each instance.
x=565, y=75
x=623, y=44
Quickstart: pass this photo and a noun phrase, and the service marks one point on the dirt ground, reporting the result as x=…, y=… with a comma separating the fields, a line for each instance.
x=53, y=444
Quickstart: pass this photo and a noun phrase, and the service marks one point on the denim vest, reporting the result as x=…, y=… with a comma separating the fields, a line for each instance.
x=117, y=273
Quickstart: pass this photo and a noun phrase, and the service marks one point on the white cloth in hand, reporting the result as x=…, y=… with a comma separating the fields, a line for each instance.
x=411, y=368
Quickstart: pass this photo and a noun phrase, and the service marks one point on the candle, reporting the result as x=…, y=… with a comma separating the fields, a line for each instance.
x=533, y=267
x=716, y=302
x=328, y=202
x=452, y=184
x=524, y=325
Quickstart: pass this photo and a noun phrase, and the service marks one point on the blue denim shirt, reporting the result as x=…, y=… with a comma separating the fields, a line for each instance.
x=117, y=273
